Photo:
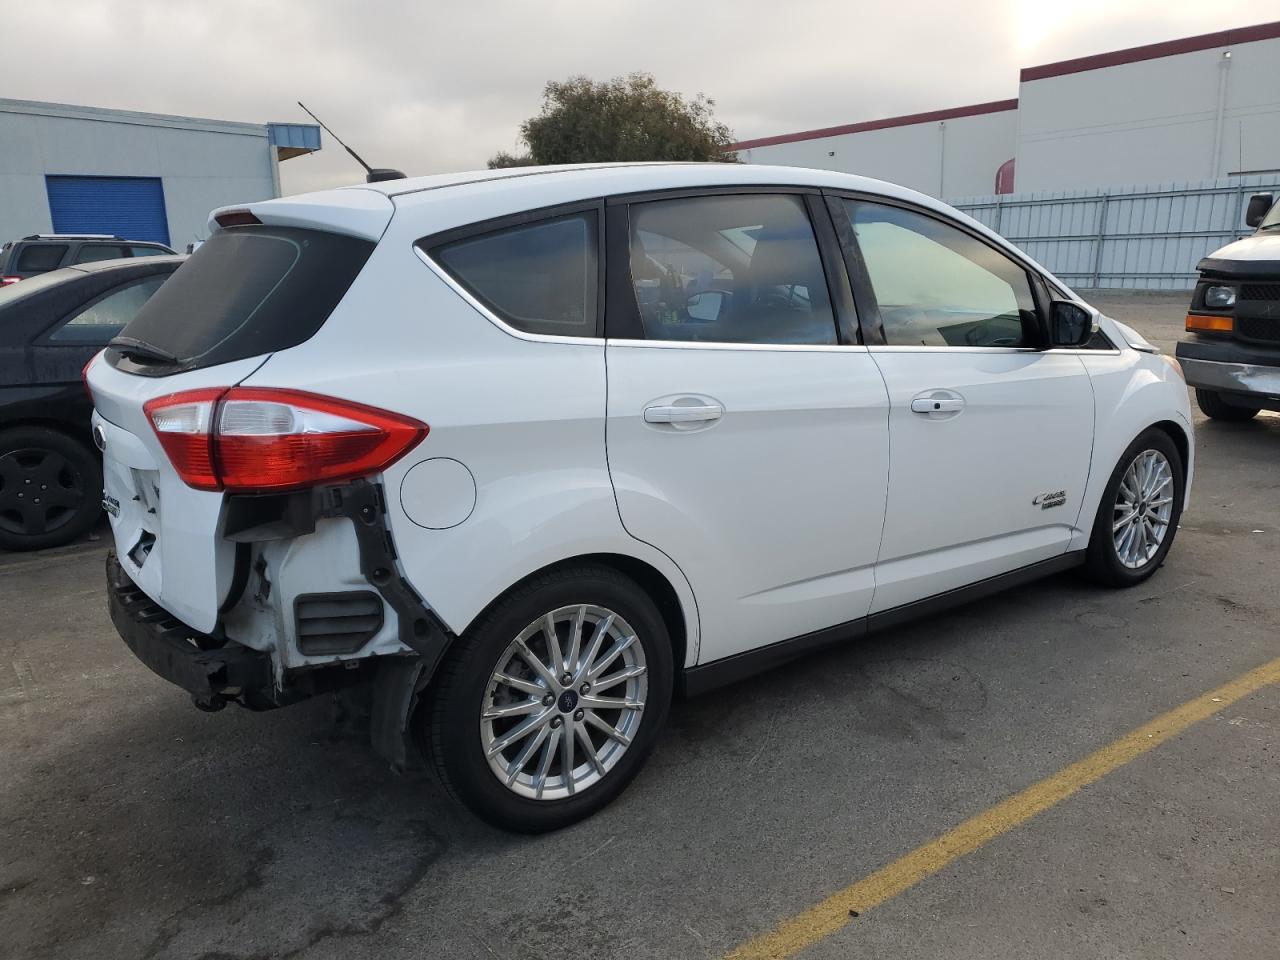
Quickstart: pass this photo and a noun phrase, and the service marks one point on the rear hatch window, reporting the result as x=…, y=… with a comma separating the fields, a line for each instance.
x=247, y=291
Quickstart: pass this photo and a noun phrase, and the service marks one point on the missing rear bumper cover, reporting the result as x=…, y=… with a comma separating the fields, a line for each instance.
x=285, y=516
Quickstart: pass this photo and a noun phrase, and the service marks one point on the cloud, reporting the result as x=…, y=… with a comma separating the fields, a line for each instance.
x=429, y=87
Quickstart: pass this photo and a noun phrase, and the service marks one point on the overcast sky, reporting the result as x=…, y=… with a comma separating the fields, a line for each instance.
x=429, y=86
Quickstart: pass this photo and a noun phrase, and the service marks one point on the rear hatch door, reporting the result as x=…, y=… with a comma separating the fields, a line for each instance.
x=266, y=284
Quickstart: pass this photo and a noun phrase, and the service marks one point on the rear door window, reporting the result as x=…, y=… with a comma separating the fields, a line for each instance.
x=40, y=257
x=148, y=252
x=730, y=269
x=538, y=277
x=247, y=291
x=107, y=316
x=93, y=252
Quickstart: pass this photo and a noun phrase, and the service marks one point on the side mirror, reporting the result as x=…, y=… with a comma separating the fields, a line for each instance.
x=1259, y=204
x=705, y=306
x=1070, y=325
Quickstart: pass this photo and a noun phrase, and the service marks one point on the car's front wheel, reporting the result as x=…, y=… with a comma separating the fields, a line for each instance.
x=50, y=488
x=549, y=705
x=1138, y=516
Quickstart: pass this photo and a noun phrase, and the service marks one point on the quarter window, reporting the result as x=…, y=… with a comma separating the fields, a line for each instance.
x=937, y=286
x=729, y=269
x=40, y=257
x=538, y=277
x=103, y=319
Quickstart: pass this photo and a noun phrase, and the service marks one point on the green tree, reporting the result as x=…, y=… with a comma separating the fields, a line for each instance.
x=626, y=118
x=504, y=159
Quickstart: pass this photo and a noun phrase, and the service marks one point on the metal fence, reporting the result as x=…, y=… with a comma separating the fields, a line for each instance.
x=1132, y=237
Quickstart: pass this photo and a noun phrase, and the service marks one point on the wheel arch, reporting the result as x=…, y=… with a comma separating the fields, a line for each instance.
x=1133, y=392
x=1180, y=440
x=1178, y=433
x=82, y=436
x=654, y=582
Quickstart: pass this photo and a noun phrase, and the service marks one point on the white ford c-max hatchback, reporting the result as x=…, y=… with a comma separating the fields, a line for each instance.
x=523, y=454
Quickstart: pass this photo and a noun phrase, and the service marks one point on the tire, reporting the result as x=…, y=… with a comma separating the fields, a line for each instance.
x=50, y=488
x=538, y=796
x=1120, y=557
x=1215, y=408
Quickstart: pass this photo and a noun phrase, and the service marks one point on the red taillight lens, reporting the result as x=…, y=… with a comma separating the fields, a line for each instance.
x=183, y=422
x=236, y=218
x=260, y=440
x=84, y=374
x=5, y=281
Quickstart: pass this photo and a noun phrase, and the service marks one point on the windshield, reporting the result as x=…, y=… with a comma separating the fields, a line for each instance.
x=247, y=291
x=1272, y=220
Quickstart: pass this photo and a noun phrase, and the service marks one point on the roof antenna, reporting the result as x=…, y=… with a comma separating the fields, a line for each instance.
x=373, y=174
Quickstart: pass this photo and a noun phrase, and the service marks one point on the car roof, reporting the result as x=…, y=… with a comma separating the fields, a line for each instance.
x=444, y=201
x=86, y=238
x=422, y=206
x=101, y=266
x=635, y=177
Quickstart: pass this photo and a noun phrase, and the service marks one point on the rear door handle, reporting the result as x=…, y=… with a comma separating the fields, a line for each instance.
x=680, y=413
x=937, y=403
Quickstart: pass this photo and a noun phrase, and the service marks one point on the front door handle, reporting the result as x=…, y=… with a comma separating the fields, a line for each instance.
x=681, y=413
x=937, y=404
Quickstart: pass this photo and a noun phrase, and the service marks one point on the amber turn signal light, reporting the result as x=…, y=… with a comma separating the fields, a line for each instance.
x=1201, y=321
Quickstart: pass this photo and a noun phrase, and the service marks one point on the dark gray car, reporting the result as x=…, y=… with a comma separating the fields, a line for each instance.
x=50, y=326
x=40, y=253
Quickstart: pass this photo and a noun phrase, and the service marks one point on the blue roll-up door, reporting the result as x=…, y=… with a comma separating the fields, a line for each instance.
x=129, y=207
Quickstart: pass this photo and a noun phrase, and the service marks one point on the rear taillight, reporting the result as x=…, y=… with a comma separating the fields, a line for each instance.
x=5, y=281
x=183, y=422
x=84, y=374
x=261, y=440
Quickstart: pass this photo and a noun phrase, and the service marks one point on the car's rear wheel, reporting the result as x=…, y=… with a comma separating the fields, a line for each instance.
x=1138, y=516
x=550, y=704
x=1216, y=408
x=50, y=488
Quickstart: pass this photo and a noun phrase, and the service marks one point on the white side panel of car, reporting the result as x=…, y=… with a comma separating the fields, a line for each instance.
x=772, y=505
x=993, y=479
x=524, y=416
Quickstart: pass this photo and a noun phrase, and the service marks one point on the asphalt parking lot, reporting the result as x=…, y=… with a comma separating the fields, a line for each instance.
x=132, y=825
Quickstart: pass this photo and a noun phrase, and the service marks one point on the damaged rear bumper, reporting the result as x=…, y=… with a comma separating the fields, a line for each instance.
x=216, y=671
x=213, y=671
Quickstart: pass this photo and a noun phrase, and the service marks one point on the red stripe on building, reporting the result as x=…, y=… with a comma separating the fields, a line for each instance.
x=933, y=116
x=1153, y=51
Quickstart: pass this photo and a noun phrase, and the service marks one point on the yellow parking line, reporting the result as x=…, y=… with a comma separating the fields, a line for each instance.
x=825, y=918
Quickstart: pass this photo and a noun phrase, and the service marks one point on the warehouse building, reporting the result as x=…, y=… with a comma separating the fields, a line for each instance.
x=1198, y=108
x=143, y=176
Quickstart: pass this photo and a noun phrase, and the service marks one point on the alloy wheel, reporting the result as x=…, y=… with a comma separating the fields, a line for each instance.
x=1143, y=509
x=564, y=702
